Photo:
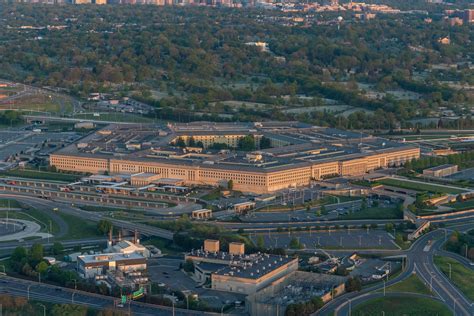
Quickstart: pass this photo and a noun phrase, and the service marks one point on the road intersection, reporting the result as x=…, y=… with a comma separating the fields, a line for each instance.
x=419, y=260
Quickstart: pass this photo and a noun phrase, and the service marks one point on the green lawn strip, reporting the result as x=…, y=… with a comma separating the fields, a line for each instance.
x=45, y=175
x=5, y=203
x=375, y=213
x=402, y=305
x=213, y=195
x=91, y=208
x=462, y=277
x=462, y=205
x=419, y=186
x=33, y=215
x=79, y=228
x=412, y=284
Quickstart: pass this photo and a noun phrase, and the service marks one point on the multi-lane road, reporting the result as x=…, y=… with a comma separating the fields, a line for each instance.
x=68, y=209
x=50, y=293
x=419, y=260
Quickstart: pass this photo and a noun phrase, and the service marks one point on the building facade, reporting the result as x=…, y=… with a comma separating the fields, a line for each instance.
x=256, y=181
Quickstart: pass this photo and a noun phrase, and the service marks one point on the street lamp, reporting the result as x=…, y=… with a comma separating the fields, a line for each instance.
x=350, y=305
x=44, y=308
x=431, y=283
x=28, y=292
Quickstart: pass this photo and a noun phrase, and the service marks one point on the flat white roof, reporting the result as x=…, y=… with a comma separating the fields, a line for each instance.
x=106, y=257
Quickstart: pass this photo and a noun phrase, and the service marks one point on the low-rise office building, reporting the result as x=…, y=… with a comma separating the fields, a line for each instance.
x=299, y=155
x=253, y=273
x=91, y=266
x=441, y=171
x=237, y=272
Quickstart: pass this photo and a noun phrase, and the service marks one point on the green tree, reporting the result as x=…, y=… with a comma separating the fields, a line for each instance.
x=42, y=267
x=70, y=310
x=180, y=142
x=353, y=284
x=188, y=266
x=295, y=244
x=104, y=226
x=322, y=210
x=36, y=253
x=265, y=142
x=57, y=248
x=341, y=271
x=247, y=143
x=230, y=184
x=18, y=254
x=260, y=242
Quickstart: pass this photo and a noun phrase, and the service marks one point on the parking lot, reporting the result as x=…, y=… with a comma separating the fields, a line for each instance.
x=18, y=140
x=334, y=210
x=334, y=239
x=466, y=174
x=368, y=267
x=166, y=271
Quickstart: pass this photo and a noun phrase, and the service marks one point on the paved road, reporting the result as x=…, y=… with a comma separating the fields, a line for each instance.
x=300, y=214
x=66, y=208
x=51, y=293
x=67, y=119
x=267, y=226
x=43, y=207
x=419, y=260
x=10, y=245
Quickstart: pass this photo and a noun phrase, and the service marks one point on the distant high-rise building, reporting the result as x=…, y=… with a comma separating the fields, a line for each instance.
x=455, y=21
x=468, y=16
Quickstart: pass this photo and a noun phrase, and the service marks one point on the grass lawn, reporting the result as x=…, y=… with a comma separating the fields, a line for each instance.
x=34, y=216
x=9, y=203
x=45, y=175
x=412, y=284
x=462, y=205
x=375, y=213
x=78, y=227
x=213, y=195
x=93, y=208
x=403, y=305
x=462, y=277
x=418, y=186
